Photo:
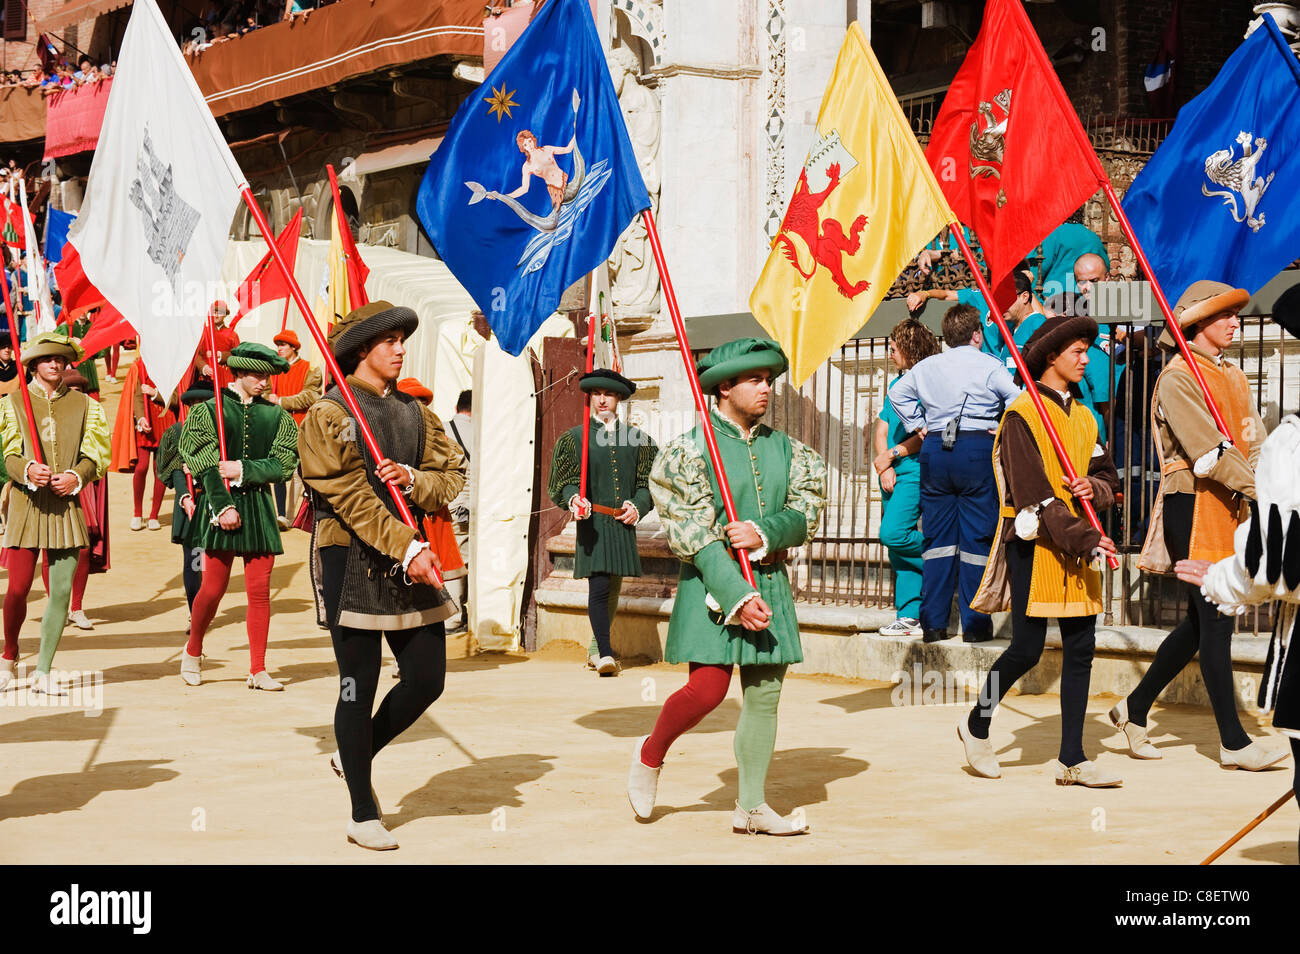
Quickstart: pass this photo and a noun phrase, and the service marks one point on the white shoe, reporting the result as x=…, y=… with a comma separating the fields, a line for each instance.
x=137, y=523
x=642, y=783
x=190, y=668
x=593, y=662
x=372, y=835
x=903, y=626
x=1139, y=745
x=154, y=524
x=337, y=765
x=263, y=680
x=6, y=673
x=282, y=523
x=764, y=820
x=42, y=683
x=1087, y=774
x=979, y=753
x=607, y=666
x=1252, y=758
x=79, y=619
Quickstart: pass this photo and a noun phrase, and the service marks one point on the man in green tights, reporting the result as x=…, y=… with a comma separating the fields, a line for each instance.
x=719, y=620
x=43, y=509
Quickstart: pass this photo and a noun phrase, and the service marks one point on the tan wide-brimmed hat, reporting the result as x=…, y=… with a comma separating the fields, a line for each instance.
x=1203, y=299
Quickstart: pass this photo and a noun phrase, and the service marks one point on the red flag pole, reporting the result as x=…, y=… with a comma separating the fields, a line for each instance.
x=996, y=313
x=313, y=326
x=22, y=372
x=186, y=382
x=706, y=425
x=219, y=406
x=1170, y=322
x=586, y=404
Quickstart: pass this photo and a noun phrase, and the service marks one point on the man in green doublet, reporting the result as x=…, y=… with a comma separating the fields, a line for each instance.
x=619, y=458
x=719, y=619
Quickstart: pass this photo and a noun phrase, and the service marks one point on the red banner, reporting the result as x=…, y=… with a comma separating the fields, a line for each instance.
x=73, y=117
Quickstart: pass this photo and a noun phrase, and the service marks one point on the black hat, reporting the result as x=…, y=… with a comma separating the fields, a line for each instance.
x=365, y=324
x=607, y=380
x=1287, y=311
x=1052, y=336
x=197, y=392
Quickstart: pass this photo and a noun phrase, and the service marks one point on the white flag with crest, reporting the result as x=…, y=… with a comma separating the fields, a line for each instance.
x=38, y=287
x=162, y=193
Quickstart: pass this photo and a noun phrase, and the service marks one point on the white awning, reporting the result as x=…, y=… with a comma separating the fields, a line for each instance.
x=392, y=157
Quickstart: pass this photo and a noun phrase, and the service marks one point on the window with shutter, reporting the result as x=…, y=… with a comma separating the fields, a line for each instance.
x=15, y=20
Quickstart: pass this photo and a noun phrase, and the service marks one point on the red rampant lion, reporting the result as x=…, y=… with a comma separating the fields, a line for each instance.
x=828, y=246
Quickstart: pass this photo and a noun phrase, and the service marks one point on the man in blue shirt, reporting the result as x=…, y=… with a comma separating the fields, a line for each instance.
x=959, y=397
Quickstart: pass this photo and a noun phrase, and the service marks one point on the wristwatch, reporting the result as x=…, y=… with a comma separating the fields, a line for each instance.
x=893, y=453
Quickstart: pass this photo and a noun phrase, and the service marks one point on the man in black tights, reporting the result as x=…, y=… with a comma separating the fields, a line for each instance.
x=372, y=574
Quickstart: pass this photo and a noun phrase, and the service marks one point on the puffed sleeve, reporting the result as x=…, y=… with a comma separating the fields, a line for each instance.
x=683, y=495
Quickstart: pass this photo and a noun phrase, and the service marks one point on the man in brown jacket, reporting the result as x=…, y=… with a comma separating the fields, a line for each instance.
x=372, y=574
x=1206, y=481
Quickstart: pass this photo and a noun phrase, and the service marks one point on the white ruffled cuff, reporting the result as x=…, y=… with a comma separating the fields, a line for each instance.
x=1027, y=520
x=1205, y=463
x=27, y=481
x=412, y=551
x=758, y=553
x=78, y=479
x=733, y=617
x=238, y=481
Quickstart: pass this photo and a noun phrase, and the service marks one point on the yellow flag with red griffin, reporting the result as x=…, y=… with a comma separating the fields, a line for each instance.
x=866, y=203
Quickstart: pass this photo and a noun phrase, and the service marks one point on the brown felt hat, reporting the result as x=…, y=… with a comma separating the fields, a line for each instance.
x=1052, y=336
x=1203, y=299
x=363, y=325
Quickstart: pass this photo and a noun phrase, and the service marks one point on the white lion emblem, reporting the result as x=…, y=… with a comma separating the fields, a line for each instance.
x=1238, y=175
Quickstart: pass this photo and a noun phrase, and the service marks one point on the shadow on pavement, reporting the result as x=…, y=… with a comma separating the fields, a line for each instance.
x=476, y=789
x=70, y=791
x=69, y=725
x=630, y=722
x=1275, y=852
x=880, y=697
x=797, y=778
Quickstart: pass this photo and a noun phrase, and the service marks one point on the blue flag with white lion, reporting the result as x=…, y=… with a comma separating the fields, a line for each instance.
x=1217, y=200
x=536, y=178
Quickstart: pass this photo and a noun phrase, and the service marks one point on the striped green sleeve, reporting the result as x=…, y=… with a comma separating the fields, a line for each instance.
x=563, y=482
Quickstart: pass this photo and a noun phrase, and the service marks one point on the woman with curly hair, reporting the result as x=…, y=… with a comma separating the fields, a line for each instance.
x=900, y=482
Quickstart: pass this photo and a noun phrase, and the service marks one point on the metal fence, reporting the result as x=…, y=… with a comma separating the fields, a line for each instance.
x=836, y=410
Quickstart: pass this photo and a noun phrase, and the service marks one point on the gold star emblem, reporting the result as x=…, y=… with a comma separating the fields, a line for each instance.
x=500, y=101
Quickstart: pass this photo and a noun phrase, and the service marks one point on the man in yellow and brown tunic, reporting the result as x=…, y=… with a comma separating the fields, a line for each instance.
x=1206, y=482
x=44, y=513
x=1046, y=561
x=373, y=575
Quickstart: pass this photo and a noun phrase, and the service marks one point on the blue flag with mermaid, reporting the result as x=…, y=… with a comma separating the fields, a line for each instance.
x=536, y=178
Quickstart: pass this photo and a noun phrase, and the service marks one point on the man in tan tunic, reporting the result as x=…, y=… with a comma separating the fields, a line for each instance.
x=1206, y=481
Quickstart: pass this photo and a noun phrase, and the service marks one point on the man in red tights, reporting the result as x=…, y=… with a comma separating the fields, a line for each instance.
x=237, y=511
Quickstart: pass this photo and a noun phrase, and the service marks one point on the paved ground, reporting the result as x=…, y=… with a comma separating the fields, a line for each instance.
x=523, y=759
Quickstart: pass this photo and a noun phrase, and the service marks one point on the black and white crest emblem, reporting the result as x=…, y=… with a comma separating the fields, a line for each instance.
x=169, y=221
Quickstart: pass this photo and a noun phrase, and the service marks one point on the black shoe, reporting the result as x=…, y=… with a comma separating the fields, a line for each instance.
x=934, y=635
x=976, y=637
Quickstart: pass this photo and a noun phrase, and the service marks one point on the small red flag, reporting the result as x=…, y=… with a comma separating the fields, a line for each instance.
x=107, y=328
x=75, y=288
x=12, y=231
x=266, y=282
x=1007, y=148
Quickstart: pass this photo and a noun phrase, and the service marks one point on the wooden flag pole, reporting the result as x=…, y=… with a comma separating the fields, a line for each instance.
x=1250, y=827
x=1030, y=385
x=22, y=372
x=219, y=405
x=1170, y=322
x=299, y=299
x=706, y=425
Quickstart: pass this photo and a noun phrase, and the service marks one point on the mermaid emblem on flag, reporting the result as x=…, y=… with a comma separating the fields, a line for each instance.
x=568, y=194
x=1238, y=175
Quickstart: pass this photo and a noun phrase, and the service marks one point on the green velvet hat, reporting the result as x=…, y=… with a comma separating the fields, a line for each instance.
x=607, y=380
x=51, y=343
x=736, y=357
x=251, y=356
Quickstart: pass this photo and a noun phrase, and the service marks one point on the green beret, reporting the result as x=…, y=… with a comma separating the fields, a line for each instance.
x=736, y=357
x=251, y=356
x=607, y=380
x=51, y=344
